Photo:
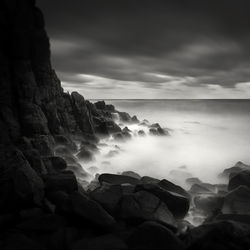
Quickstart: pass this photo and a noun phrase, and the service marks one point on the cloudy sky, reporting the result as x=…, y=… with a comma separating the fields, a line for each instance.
x=151, y=48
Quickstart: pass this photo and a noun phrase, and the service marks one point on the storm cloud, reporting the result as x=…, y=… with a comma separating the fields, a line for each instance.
x=151, y=48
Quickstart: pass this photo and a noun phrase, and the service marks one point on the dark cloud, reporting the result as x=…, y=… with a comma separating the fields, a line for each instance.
x=140, y=40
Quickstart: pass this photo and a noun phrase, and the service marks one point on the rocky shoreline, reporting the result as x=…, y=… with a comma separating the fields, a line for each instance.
x=45, y=202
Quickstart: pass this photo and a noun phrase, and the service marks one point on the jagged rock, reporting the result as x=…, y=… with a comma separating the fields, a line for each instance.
x=242, y=178
x=43, y=144
x=131, y=174
x=65, y=141
x=90, y=146
x=91, y=211
x=100, y=105
x=238, y=167
x=144, y=206
x=124, y=117
x=148, y=179
x=152, y=235
x=85, y=155
x=121, y=136
x=242, y=218
x=126, y=129
x=134, y=119
x=177, y=204
x=117, y=179
x=237, y=201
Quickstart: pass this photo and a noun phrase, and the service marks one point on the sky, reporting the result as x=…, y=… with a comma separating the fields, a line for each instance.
x=149, y=49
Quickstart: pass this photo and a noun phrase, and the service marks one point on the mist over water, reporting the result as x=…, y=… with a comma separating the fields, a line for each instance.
x=207, y=136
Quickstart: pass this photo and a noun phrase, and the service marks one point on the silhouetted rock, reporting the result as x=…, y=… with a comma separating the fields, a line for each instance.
x=242, y=178
x=152, y=235
x=117, y=179
x=177, y=204
x=199, y=189
x=91, y=211
x=237, y=201
x=85, y=155
x=144, y=206
x=131, y=174
x=134, y=119
x=141, y=133
x=54, y=164
x=238, y=167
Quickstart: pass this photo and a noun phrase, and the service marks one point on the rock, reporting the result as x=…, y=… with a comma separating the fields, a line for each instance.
x=90, y=146
x=238, y=167
x=117, y=179
x=85, y=155
x=91, y=211
x=78, y=170
x=65, y=141
x=193, y=180
x=126, y=129
x=100, y=105
x=134, y=119
x=131, y=174
x=199, y=189
x=220, y=235
x=208, y=203
x=242, y=218
x=237, y=201
x=121, y=136
x=61, y=200
x=19, y=183
x=104, y=242
x=169, y=186
x=156, y=129
x=144, y=206
x=242, y=178
x=124, y=117
x=141, y=132
x=148, y=179
x=108, y=196
x=54, y=164
x=151, y=236
x=177, y=204
x=60, y=182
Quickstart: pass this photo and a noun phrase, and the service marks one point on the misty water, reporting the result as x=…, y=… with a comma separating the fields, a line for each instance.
x=206, y=136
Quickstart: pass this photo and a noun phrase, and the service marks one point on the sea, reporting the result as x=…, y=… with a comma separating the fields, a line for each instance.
x=206, y=136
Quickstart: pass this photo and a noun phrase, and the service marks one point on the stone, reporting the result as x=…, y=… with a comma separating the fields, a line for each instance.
x=242, y=178
x=237, y=201
x=238, y=167
x=144, y=206
x=131, y=174
x=54, y=164
x=117, y=179
x=85, y=155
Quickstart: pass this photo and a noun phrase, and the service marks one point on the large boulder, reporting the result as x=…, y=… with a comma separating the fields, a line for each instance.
x=237, y=201
x=85, y=155
x=145, y=206
x=151, y=236
x=115, y=179
x=238, y=167
x=177, y=204
x=242, y=178
x=91, y=211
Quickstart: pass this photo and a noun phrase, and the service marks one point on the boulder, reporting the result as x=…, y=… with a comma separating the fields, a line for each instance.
x=124, y=117
x=90, y=146
x=131, y=174
x=242, y=178
x=144, y=206
x=141, y=133
x=169, y=186
x=237, y=201
x=117, y=179
x=199, y=189
x=91, y=211
x=108, y=196
x=148, y=179
x=126, y=129
x=134, y=119
x=193, y=180
x=238, y=167
x=177, y=204
x=151, y=236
